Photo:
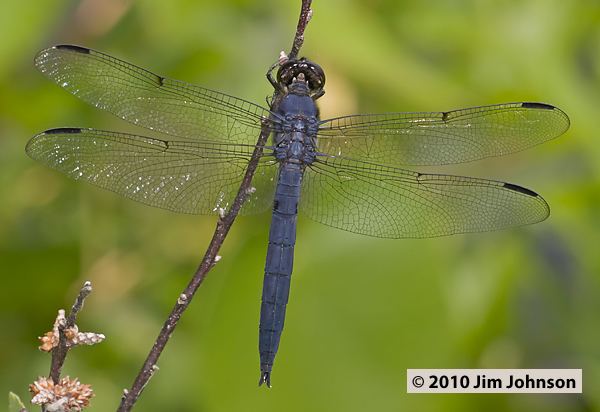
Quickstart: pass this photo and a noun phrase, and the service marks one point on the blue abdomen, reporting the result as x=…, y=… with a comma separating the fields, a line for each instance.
x=278, y=268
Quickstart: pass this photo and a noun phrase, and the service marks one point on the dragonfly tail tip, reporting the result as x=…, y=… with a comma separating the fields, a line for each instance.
x=265, y=378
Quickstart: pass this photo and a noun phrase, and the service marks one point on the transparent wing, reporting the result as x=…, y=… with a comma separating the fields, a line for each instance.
x=388, y=202
x=442, y=137
x=151, y=101
x=182, y=176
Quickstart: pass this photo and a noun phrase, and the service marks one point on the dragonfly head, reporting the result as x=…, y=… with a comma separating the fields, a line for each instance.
x=293, y=73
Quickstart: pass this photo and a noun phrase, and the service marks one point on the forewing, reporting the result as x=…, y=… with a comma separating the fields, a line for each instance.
x=442, y=137
x=151, y=101
x=388, y=202
x=182, y=176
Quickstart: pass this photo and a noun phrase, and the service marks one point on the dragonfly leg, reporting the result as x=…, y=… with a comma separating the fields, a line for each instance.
x=269, y=101
x=319, y=94
x=272, y=79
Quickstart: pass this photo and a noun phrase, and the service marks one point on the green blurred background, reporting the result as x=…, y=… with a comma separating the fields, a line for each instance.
x=362, y=310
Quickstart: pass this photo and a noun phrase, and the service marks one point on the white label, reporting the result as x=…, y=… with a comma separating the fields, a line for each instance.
x=494, y=381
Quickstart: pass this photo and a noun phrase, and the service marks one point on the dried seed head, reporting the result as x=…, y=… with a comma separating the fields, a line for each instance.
x=87, y=338
x=51, y=339
x=69, y=395
x=71, y=333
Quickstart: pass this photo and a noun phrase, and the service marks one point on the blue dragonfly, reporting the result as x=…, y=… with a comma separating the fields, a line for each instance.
x=346, y=172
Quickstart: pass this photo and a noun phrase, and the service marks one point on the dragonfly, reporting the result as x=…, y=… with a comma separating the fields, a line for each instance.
x=347, y=172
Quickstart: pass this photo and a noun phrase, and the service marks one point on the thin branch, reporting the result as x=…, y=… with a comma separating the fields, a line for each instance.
x=59, y=353
x=130, y=396
x=305, y=16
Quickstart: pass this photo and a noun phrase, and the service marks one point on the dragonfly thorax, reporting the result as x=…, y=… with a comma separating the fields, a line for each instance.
x=295, y=147
x=296, y=140
x=297, y=103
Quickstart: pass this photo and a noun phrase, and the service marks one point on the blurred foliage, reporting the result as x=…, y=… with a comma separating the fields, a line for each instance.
x=362, y=310
x=14, y=403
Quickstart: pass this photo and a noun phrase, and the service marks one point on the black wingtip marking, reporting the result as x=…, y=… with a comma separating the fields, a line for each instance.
x=444, y=116
x=520, y=189
x=161, y=80
x=63, y=130
x=71, y=47
x=534, y=105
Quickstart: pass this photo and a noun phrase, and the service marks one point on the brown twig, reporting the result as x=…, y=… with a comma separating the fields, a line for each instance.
x=305, y=16
x=59, y=353
x=130, y=396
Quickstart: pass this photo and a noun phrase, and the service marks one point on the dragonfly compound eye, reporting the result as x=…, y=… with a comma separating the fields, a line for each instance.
x=312, y=72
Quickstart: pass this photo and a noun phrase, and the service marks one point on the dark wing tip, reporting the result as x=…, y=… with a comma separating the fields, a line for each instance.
x=541, y=212
x=265, y=377
x=521, y=189
x=535, y=105
x=544, y=106
x=71, y=47
x=41, y=59
x=30, y=148
x=62, y=130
